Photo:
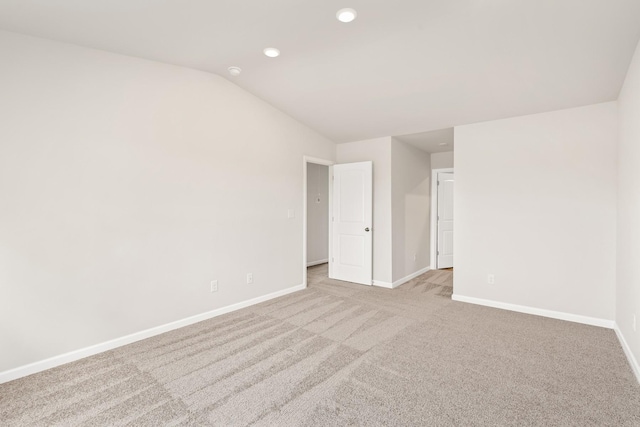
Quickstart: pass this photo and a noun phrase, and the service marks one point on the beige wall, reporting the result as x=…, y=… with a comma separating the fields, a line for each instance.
x=126, y=186
x=442, y=160
x=535, y=205
x=411, y=193
x=628, y=247
x=379, y=152
x=317, y=213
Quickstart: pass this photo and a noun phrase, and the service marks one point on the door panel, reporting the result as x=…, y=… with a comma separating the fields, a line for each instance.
x=352, y=213
x=445, y=220
x=351, y=202
x=352, y=250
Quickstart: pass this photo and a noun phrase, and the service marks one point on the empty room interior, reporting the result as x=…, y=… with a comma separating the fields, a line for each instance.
x=286, y=213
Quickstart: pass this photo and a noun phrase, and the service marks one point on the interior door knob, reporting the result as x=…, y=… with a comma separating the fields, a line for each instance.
x=366, y=229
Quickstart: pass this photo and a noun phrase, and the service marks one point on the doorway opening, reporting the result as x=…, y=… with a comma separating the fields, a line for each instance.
x=316, y=208
x=337, y=220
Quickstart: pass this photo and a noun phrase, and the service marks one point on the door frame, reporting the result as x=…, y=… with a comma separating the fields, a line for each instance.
x=434, y=214
x=318, y=161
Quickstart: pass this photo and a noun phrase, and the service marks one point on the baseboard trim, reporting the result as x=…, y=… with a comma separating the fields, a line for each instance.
x=322, y=261
x=52, y=362
x=382, y=284
x=593, y=321
x=635, y=367
x=410, y=276
x=402, y=281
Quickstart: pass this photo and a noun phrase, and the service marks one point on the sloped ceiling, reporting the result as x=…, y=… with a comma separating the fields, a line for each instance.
x=402, y=67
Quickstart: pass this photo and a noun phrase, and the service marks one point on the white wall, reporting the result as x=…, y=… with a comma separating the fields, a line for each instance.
x=535, y=204
x=317, y=213
x=410, y=189
x=628, y=248
x=442, y=160
x=126, y=186
x=379, y=152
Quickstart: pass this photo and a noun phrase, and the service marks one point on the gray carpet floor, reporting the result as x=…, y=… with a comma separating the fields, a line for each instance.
x=345, y=354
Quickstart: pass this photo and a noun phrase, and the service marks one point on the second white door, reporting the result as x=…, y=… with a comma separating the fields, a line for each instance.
x=445, y=220
x=351, y=223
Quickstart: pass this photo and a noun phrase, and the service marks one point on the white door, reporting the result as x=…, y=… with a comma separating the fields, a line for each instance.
x=351, y=231
x=445, y=220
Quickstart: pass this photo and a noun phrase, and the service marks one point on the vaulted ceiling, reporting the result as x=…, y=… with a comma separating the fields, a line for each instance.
x=402, y=67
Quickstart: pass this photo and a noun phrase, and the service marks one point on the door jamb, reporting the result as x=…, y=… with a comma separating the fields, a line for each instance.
x=434, y=214
x=317, y=161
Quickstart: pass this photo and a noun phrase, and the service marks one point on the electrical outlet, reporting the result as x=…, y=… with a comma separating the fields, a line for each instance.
x=491, y=279
x=249, y=278
x=291, y=213
x=634, y=323
x=214, y=286
x=415, y=257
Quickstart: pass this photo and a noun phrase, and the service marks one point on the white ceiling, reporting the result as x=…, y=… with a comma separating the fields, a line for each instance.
x=403, y=66
x=436, y=141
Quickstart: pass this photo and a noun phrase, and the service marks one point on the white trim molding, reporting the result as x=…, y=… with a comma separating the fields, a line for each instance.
x=593, y=321
x=635, y=367
x=382, y=284
x=402, y=281
x=52, y=362
x=322, y=261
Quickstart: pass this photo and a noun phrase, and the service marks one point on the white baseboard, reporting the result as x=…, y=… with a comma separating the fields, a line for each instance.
x=593, y=321
x=382, y=284
x=410, y=276
x=322, y=261
x=402, y=281
x=635, y=367
x=72, y=356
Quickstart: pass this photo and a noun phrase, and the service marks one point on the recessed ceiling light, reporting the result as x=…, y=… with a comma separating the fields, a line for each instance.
x=271, y=52
x=346, y=15
x=444, y=143
x=234, y=71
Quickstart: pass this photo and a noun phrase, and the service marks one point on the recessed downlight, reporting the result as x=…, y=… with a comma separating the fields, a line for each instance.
x=443, y=143
x=346, y=15
x=271, y=52
x=234, y=71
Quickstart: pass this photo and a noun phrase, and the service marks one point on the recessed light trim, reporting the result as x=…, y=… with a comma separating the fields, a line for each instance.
x=346, y=15
x=271, y=52
x=443, y=143
x=234, y=71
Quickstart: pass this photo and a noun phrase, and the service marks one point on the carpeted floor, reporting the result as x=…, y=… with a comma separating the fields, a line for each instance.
x=344, y=354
